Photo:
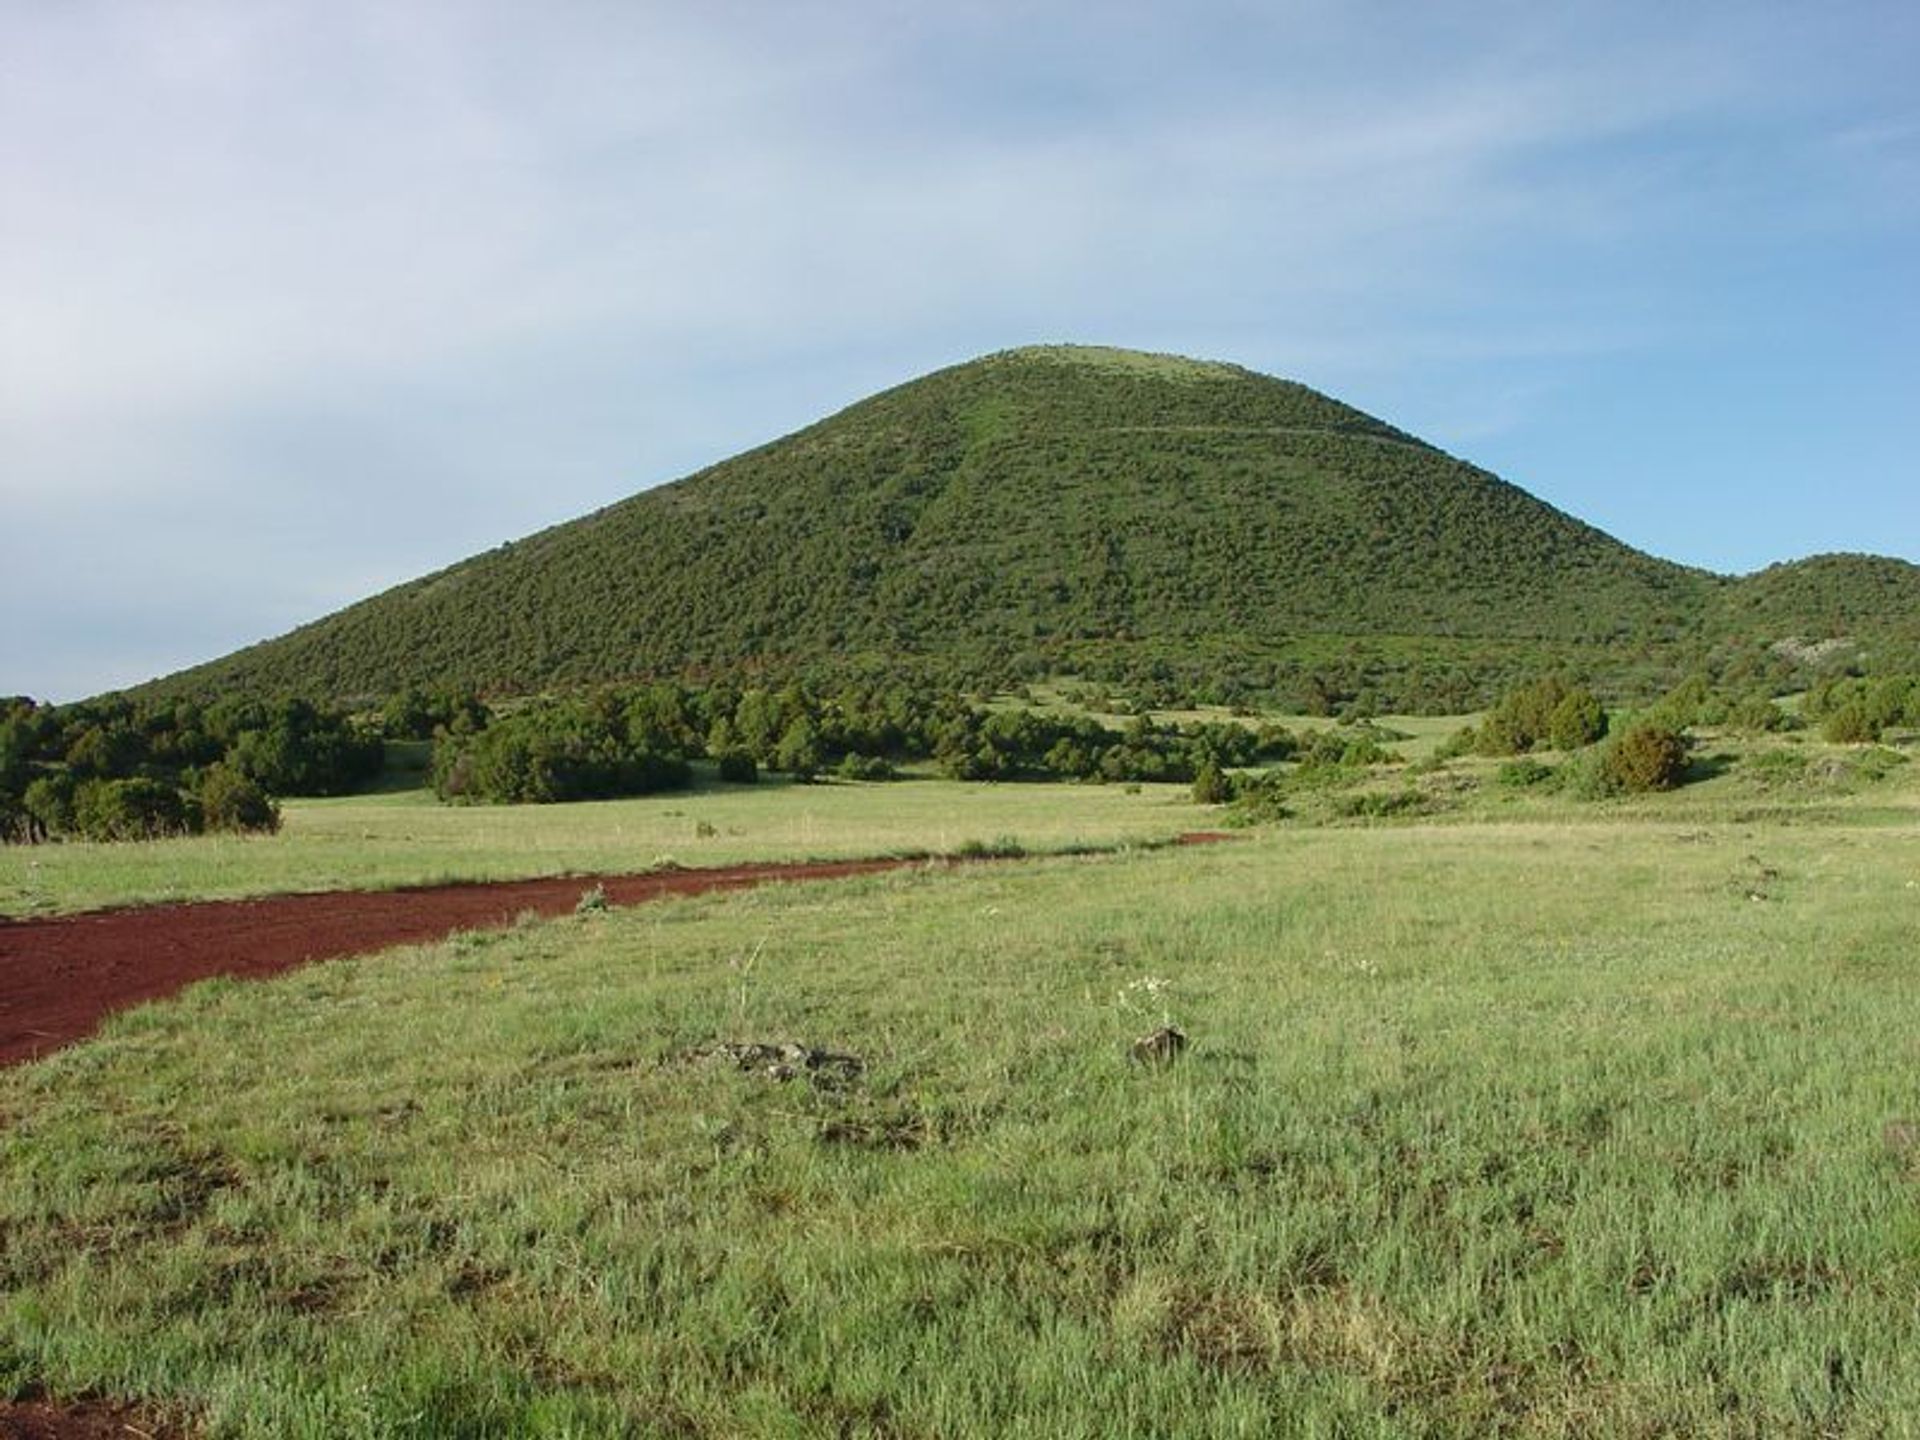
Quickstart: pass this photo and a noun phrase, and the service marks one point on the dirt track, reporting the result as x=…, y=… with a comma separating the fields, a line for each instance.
x=60, y=978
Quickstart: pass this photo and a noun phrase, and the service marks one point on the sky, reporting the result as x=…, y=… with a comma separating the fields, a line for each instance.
x=301, y=300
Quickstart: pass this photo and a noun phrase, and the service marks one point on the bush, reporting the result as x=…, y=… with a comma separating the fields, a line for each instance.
x=48, y=802
x=1211, y=785
x=1577, y=721
x=798, y=752
x=1758, y=715
x=1548, y=712
x=1525, y=773
x=854, y=766
x=1851, y=724
x=564, y=751
x=136, y=809
x=737, y=767
x=1648, y=757
x=230, y=801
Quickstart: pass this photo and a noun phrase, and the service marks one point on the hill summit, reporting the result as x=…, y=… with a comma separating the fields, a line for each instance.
x=1064, y=509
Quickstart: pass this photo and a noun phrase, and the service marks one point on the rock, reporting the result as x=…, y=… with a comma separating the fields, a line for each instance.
x=785, y=1061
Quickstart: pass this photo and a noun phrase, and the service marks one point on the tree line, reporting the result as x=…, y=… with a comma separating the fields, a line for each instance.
x=121, y=770
x=643, y=739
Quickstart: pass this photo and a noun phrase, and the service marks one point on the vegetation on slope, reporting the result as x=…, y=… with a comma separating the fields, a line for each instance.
x=1189, y=529
x=1859, y=608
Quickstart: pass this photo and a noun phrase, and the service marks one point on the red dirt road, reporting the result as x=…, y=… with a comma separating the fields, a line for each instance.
x=60, y=978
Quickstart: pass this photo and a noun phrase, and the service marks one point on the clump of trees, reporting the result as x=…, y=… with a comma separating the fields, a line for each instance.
x=633, y=741
x=1024, y=744
x=116, y=769
x=572, y=750
x=1853, y=710
x=420, y=713
x=1550, y=713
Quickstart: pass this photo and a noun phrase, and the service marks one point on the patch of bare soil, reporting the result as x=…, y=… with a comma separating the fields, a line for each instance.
x=39, y=1418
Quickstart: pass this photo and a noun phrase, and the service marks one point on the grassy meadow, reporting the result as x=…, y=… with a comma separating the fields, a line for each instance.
x=1528, y=1123
x=406, y=837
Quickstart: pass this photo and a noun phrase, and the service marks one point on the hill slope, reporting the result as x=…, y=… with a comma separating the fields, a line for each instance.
x=1867, y=604
x=1058, y=508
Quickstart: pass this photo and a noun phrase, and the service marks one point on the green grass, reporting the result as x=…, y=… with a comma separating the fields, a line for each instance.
x=408, y=838
x=1528, y=1129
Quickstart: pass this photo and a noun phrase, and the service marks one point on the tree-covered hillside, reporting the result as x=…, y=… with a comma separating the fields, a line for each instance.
x=1861, y=607
x=1139, y=519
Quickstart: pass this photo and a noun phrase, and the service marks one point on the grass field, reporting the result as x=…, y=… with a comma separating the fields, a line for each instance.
x=408, y=838
x=1491, y=1127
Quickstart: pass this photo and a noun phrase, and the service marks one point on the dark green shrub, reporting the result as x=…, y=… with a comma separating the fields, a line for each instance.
x=1851, y=724
x=1525, y=773
x=1647, y=757
x=798, y=752
x=48, y=802
x=737, y=767
x=571, y=750
x=1757, y=715
x=1381, y=804
x=854, y=766
x=137, y=809
x=230, y=801
x=1211, y=786
x=1548, y=712
x=1579, y=720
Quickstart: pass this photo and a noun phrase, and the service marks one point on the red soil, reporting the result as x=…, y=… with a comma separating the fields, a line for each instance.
x=60, y=978
x=40, y=1419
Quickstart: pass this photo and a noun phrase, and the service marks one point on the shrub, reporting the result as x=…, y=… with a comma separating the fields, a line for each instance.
x=1381, y=804
x=1851, y=724
x=1525, y=773
x=1757, y=715
x=136, y=809
x=799, y=750
x=854, y=766
x=1545, y=712
x=1577, y=721
x=1647, y=757
x=1211, y=785
x=48, y=802
x=737, y=767
x=230, y=801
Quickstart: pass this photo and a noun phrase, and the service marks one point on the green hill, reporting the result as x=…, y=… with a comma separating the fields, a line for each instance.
x=1862, y=606
x=1143, y=519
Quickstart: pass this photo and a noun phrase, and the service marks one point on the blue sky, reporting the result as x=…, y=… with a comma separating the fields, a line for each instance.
x=299, y=300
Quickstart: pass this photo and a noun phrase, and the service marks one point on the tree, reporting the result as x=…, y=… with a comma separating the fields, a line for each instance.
x=799, y=750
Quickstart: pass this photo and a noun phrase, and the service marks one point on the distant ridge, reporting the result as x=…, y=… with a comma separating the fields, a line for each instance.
x=1141, y=519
